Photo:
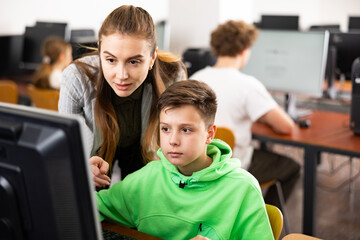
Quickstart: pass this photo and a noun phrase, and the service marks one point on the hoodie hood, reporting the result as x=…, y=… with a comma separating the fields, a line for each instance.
x=222, y=164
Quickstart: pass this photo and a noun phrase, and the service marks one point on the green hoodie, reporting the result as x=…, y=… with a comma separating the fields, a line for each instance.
x=222, y=201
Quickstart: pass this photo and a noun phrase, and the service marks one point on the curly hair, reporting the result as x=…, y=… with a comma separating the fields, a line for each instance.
x=232, y=37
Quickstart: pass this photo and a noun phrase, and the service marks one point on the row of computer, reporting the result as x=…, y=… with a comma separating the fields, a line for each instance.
x=291, y=22
x=21, y=54
x=293, y=61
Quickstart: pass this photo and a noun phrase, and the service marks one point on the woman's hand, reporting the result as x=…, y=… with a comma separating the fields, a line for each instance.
x=199, y=237
x=99, y=168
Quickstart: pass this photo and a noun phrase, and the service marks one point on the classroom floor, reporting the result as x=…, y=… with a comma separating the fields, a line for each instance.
x=338, y=208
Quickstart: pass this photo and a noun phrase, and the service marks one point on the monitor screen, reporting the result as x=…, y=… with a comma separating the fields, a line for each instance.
x=10, y=54
x=330, y=28
x=33, y=40
x=354, y=23
x=163, y=35
x=347, y=48
x=289, y=61
x=45, y=186
x=280, y=22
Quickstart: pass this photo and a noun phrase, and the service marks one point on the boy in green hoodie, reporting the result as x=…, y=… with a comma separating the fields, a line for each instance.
x=196, y=188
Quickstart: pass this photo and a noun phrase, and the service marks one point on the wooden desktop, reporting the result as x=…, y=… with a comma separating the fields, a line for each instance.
x=329, y=132
x=113, y=227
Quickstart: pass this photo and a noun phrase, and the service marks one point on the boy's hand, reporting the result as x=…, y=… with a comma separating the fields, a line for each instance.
x=199, y=237
x=99, y=168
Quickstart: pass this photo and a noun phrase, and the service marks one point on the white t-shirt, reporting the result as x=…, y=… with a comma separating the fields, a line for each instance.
x=242, y=100
x=55, y=79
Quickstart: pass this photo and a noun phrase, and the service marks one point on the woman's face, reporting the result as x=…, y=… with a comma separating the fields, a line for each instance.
x=125, y=60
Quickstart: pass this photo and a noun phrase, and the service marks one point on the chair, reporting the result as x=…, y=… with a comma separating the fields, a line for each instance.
x=8, y=91
x=44, y=98
x=197, y=58
x=299, y=236
x=281, y=200
x=275, y=219
x=227, y=135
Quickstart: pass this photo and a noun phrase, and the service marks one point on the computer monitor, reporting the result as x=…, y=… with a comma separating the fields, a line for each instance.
x=347, y=47
x=327, y=27
x=163, y=35
x=280, y=22
x=10, y=55
x=45, y=186
x=354, y=23
x=33, y=40
x=290, y=62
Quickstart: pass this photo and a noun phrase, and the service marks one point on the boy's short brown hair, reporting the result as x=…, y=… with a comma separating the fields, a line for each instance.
x=232, y=37
x=190, y=92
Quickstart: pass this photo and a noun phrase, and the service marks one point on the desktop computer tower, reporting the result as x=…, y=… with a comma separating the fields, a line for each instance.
x=355, y=97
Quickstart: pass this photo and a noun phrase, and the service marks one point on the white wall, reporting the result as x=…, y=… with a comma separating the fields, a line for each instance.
x=16, y=14
x=191, y=20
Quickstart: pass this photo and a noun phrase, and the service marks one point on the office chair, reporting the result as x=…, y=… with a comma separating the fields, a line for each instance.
x=8, y=91
x=44, y=98
x=227, y=135
x=275, y=219
x=197, y=58
x=333, y=169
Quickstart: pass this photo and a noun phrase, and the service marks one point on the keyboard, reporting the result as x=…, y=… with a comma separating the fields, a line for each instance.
x=108, y=235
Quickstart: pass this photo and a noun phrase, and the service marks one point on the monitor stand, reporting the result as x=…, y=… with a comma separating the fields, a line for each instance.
x=331, y=91
x=290, y=107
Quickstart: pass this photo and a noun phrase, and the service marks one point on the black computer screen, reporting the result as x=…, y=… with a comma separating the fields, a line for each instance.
x=354, y=23
x=10, y=54
x=347, y=47
x=280, y=22
x=45, y=188
x=33, y=40
x=328, y=27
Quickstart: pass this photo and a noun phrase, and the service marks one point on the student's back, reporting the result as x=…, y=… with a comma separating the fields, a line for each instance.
x=243, y=100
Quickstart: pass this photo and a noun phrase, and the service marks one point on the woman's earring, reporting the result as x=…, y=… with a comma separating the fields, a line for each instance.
x=150, y=67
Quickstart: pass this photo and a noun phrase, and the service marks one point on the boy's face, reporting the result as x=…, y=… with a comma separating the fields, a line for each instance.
x=184, y=138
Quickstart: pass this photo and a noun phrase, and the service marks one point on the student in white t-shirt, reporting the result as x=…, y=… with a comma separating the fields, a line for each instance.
x=243, y=100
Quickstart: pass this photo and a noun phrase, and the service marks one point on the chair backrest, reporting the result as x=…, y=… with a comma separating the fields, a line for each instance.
x=8, y=91
x=44, y=98
x=299, y=236
x=225, y=134
x=276, y=220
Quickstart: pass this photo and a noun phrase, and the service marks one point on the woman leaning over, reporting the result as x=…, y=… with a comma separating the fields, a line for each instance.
x=117, y=87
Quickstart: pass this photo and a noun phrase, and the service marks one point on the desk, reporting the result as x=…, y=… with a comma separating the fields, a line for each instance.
x=113, y=227
x=329, y=132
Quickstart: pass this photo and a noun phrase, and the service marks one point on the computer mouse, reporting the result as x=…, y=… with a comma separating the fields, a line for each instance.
x=304, y=123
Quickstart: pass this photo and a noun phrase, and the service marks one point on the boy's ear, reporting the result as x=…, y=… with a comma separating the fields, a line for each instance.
x=211, y=133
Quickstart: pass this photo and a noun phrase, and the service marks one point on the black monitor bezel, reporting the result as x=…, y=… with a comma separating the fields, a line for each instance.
x=19, y=119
